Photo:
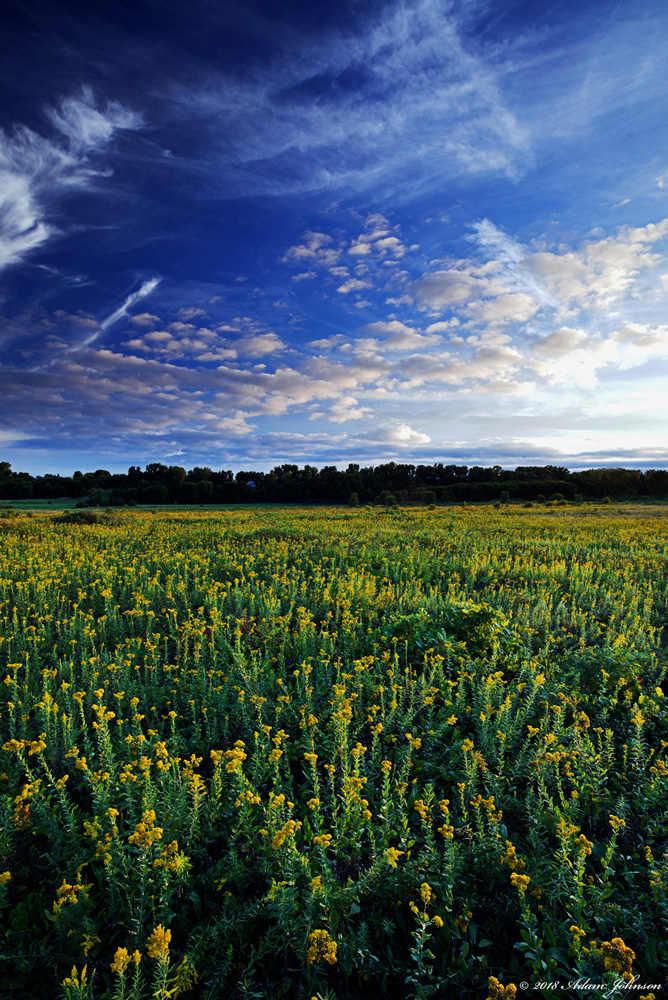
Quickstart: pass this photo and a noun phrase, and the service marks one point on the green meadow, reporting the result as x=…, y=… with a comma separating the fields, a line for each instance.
x=334, y=753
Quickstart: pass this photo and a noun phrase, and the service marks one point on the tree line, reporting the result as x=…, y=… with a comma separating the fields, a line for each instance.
x=387, y=483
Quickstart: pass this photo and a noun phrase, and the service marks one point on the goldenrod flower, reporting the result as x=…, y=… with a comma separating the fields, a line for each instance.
x=321, y=947
x=121, y=961
x=499, y=992
x=157, y=945
x=618, y=957
x=392, y=856
x=427, y=893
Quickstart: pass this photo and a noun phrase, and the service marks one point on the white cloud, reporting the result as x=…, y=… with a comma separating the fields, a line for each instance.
x=401, y=435
x=34, y=170
x=353, y=285
x=144, y=319
x=426, y=107
x=146, y=288
x=316, y=250
x=559, y=343
x=398, y=336
x=257, y=345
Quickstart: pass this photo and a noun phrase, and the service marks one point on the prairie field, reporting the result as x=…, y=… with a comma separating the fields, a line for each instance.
x=333, y=753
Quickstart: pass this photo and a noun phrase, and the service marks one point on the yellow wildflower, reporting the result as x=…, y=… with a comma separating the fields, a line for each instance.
x=121, y=961
x=321, y=947
x=499, y=992
x=392, y=856
x=158, y=943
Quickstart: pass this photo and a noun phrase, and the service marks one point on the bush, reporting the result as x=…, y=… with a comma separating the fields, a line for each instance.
x=89, y=517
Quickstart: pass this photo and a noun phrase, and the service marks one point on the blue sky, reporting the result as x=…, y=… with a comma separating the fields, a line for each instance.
x=239, y=234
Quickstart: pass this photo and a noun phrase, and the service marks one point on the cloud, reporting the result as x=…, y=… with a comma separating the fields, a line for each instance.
x=146, y=288
x=303, y=276
x=398, y=336
x=402, y=103
x=144, y=319
x=35, y=170
x=516, y=282
x=353, y=285
x=401, y=435
x=559, y=343
x=316, y=250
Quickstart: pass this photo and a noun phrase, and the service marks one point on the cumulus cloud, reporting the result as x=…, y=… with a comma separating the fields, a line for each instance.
x=559, y=343
x=516, y=283
x=35, y=170
x=353, y=285
x=316, y=250
x=187, y=340
x=401, y=435
x=397, y=336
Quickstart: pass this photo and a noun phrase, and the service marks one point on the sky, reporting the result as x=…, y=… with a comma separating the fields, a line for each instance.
x=238, y=234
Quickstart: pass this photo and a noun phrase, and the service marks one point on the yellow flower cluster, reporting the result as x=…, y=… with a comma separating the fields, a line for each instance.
x=157, y=945
x=235, y=757
x=617, y=957
x=287, y=830
x=392, y=856
x=172, y=860
x=146, y=832
x=321, y=947
x=122, y=959
x=499, y=992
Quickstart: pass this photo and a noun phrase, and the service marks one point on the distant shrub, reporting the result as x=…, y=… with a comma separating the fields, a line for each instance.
x=386, y=498
x=606, y=500
x=7, y=511
x=89, y=517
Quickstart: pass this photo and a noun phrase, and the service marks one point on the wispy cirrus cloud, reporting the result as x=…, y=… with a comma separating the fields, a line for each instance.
x=132, y=299
x=35, y=168
x=404, y=91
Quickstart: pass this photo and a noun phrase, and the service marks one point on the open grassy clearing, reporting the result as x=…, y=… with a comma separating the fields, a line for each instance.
x=308, y=752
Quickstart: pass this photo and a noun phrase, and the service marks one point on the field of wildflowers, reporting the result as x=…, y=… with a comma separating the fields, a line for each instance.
x=332, y=753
